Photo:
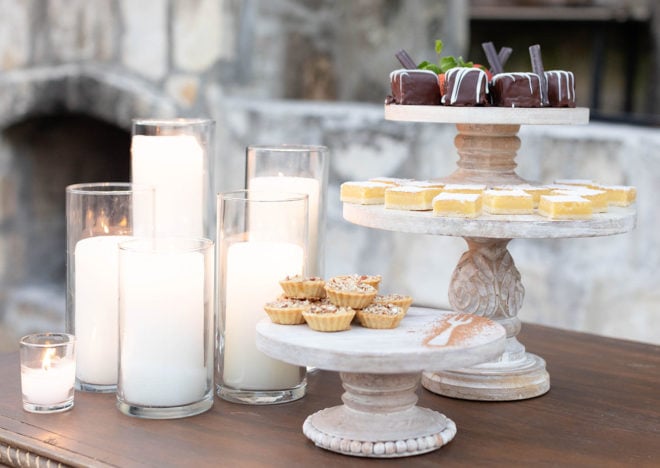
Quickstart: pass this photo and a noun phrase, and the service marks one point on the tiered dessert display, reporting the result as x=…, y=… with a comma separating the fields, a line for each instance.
x=486, y=281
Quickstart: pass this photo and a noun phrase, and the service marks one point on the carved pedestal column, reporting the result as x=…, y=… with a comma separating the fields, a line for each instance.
x=486, y=154
x=487, y=283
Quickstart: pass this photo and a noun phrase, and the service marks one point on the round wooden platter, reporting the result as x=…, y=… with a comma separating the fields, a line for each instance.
x=408, y=348
x=616, y=221
x=380, y=371
x=488, y=115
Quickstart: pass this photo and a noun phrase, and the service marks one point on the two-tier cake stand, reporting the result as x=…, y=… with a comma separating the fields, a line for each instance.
x=380, y=372
x=486, y=281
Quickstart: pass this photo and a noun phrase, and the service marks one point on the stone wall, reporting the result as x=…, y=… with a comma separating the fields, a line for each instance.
x=113, y=60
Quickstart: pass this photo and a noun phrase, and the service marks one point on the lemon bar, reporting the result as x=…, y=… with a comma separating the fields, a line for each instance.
x=598, y=198
x=508, y=202
x=619, y=195
x=363, y=193
x=410, y=197
x=534, y=190
x=464, y=188
x=390, y=180
x=459, y=205
x=565, y=207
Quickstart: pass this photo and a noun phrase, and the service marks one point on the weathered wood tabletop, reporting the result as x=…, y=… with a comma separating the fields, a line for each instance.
x=603, y=409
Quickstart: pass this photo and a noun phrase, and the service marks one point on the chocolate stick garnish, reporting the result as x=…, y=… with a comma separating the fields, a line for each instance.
x=493, y=59
x=504, y=54
x=405, y=59
x=537, y=67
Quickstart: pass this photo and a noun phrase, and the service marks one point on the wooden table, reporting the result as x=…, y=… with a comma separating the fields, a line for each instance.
x=603, y=409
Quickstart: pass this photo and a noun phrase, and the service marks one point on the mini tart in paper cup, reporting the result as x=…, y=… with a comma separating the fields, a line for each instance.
x=398, y=300
x=348, y=293
x=371, y=280
x=380, y=316
x=287, y=311
x=299, y=287
x=328, y=317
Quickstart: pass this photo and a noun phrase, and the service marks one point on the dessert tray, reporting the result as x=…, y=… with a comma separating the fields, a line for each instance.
x=486, y=281
x=488, y=115
x=380, y=372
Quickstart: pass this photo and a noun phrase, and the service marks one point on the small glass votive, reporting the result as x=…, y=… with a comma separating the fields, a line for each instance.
x=261, y=240
x=298, y=169
x=99, y=216
x=48, y=372
x=166, y=327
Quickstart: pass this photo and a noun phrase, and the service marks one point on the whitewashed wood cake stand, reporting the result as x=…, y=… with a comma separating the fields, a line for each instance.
x=380, y=372
x=486, y=281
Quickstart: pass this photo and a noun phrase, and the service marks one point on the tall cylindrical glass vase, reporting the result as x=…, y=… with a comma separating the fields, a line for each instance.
x=98, y=217
x=298, y=169
x=261, y=240
x=166, y=327
x=175, y=157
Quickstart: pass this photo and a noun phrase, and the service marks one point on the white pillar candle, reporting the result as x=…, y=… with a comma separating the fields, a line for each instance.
x=162, y=361
x=253, y=271
x=96, y=316
x=174, y=166
x=304, y=185
x=49, y=382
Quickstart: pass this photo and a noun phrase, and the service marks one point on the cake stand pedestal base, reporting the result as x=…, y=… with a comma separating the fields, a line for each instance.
x=496, y=381
x=380, y=371
x=486, y=282
x=379, y=419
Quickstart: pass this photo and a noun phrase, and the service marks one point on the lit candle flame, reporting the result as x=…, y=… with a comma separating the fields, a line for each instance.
x=104, y=224
x=48, y=355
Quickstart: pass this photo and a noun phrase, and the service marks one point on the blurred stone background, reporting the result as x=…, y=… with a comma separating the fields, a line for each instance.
x=74, y=72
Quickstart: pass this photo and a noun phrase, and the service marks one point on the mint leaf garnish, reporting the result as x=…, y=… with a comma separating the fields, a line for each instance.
x=425, y=65
x=438, y=46
x=444, y=63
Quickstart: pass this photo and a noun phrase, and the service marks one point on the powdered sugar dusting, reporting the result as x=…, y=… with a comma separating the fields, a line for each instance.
x=465, y=197
x=507, y=193
x=564, y=198
x=366, y=183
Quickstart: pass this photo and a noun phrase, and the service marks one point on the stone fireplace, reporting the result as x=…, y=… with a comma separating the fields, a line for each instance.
x=40, y=156
x=59, y=126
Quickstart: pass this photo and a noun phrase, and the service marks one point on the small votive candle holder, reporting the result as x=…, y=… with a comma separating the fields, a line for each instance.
x=48, y=372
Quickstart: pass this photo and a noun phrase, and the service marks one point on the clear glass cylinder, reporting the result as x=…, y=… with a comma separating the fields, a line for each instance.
x=298, y=169
x=48, y=372
x=98, y=217
x=261, y=239
x=175, y=157
x=166, y=327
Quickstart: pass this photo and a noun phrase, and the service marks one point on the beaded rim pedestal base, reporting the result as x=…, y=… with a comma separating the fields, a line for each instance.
x=349, y=430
